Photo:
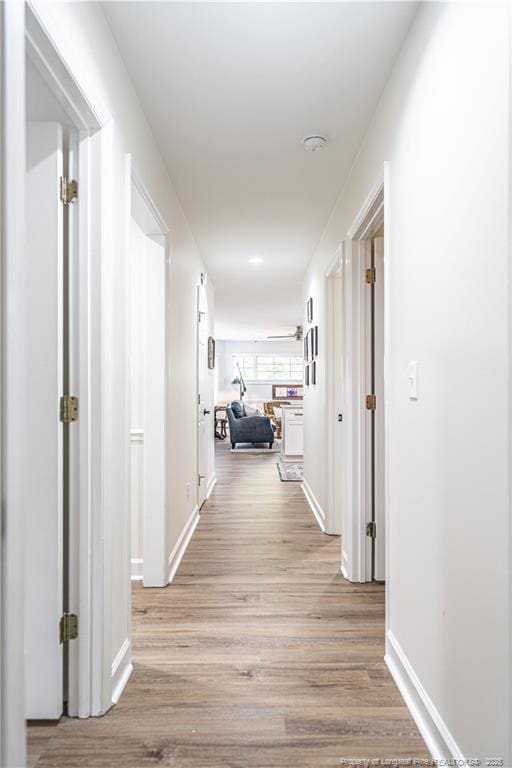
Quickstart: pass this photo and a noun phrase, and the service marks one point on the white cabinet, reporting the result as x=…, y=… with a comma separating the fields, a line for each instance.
x=293, y=420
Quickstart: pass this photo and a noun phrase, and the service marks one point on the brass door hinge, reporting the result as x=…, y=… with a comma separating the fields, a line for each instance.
x=371, y=530
x=371, y=402
x=371, y=275
x=68, y=190
x=68, y=409
x=68, y=627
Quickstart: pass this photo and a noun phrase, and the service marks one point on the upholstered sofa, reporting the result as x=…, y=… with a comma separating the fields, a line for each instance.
x=248, y=429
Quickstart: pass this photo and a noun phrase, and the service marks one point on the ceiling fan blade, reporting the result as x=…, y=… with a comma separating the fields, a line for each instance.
x=288, y=336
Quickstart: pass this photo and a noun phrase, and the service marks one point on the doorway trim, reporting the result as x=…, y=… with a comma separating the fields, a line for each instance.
x=334, y=379
x=155, y=536
x=89, y=664
x=356, y=564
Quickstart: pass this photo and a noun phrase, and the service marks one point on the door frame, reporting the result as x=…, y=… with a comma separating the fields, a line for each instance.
x=202, y=301
x=155, y=535
x=335, y=395
x=89, y=657
x=356, y=560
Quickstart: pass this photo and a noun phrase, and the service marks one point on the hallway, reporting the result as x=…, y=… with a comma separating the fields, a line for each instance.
x=259, y=654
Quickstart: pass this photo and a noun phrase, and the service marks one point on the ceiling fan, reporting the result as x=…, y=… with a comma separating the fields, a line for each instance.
x=297, y=334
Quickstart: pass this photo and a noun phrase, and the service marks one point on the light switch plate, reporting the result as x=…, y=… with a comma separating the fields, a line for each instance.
x=413, y=380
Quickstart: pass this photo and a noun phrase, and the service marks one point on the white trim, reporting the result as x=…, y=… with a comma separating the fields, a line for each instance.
x=344, y=565
x=334, y=394
x=154, y=525
x=122, y=668
x=315, y=506
x=137, y=443
x=387, y=387
x=211, y=485
x=89, y=659
x=13, y=381
x=181, y=545
x=364, y=222
x=136, y=436
x=356, y=552
x=45, y=56
x=150, y=203
x=431, y=725
x=137, y=568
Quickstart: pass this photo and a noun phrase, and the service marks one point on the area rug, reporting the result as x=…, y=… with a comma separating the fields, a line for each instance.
x=290, y=471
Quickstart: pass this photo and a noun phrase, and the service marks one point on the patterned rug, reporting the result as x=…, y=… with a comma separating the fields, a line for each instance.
x=290, y=471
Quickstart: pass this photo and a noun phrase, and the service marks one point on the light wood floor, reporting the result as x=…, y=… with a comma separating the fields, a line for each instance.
x=259, y=654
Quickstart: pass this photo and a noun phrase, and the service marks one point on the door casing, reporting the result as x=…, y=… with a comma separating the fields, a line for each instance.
x=155, y=566
x=356, y=558
x=89, y=657
x=202, y=389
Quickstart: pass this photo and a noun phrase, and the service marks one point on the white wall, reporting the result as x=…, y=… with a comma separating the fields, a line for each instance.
x=257, y=392
x=82, y=35
x=442, y=125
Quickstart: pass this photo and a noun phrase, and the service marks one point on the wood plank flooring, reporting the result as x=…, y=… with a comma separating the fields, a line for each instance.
x=259, y=655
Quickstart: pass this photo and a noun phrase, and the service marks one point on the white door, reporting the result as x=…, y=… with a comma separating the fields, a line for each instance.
x=44, y=457
x=154, y=568
x=379, y=446
x=203, y=410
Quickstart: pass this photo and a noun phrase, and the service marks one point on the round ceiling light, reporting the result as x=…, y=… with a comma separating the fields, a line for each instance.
x=314, y=143
x=256, y=260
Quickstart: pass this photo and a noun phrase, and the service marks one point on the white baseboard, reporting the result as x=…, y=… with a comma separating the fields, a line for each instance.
x=315, y=506
x=122, y=668
x=211, y=485
x=137, y=568
x=344, y=564
x=181, y=545
x=439, y=741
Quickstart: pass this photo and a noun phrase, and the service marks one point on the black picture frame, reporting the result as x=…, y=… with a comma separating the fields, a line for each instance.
x=309, y=307
x=306, y=348
x=306, y=375
x=313, y=372
x=315, y=340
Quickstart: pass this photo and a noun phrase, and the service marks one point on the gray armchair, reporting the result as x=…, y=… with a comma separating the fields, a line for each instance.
x=248, y=429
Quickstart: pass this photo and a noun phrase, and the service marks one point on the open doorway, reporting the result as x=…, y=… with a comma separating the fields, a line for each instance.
x=363, y=444
x=50, y=310
x=374, y=400
x=148, y=367
x=65, y=589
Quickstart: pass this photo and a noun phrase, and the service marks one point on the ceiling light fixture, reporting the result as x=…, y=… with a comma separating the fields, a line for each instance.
x=314, y=142
x=256, y=260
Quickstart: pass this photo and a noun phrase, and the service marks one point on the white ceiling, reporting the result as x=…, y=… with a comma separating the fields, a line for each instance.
x=230, y=89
